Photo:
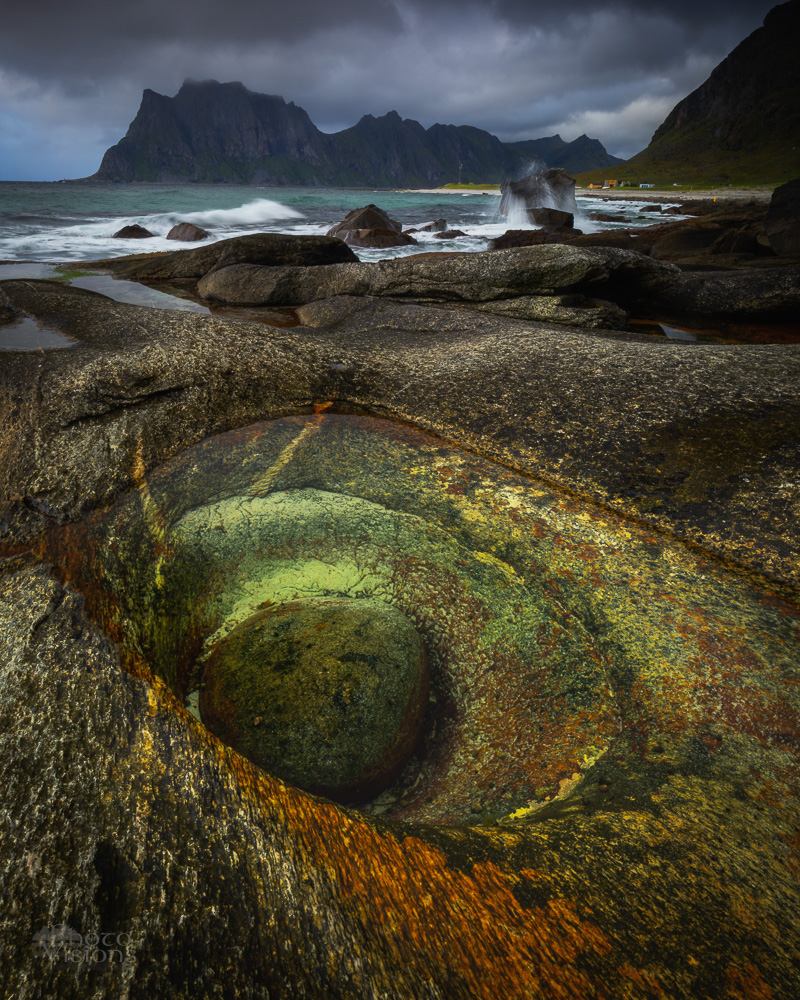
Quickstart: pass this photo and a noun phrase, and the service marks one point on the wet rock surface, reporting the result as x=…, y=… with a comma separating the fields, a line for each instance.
x=449, y=234
x=434, y=226
x=635, y=769
x=551, y=217
x=377, y=238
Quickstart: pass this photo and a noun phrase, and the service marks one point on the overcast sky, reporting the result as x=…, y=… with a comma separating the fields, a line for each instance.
x=72, y=73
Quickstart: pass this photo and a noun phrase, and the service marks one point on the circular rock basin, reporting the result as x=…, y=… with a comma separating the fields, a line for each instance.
x=326, y=693
x=565, y=647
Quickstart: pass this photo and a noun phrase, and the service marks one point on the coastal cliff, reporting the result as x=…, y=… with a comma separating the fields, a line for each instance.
x=743, y=124
x=224, y=133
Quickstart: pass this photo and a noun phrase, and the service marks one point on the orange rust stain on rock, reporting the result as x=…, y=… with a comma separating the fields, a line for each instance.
x=468, y=924
x=646, y=983
x=793, y=861
x=747, y=984
x=471, y=924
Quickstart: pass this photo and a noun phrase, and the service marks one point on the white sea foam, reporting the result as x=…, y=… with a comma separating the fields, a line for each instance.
x=517, y=217
x=83, y=228
x=94, y=237
x=252, y=213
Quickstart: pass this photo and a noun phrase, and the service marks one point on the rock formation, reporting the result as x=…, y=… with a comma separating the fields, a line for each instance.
x=547, y=197
x=782, y=223
x=271, y=249
x=212, y=132
x=434, y=226
x=607, y=761
x=371, y=227
x=134, y=232
x=716, y=237
x=186, y=232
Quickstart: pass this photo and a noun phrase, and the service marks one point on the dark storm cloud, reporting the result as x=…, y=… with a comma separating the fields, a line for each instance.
x=76, y=39
x=71, y=75
x=686, y=11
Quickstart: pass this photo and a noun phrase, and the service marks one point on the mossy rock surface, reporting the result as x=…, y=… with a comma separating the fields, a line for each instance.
x=328, y=694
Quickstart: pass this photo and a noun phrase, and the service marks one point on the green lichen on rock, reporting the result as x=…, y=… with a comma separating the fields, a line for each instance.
x=328, y=694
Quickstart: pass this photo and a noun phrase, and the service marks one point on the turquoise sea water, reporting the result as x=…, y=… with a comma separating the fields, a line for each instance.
x=65, y=221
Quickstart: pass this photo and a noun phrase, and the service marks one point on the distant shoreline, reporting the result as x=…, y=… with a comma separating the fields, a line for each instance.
x=630, y=194
x=444, y=190
x=679, y=194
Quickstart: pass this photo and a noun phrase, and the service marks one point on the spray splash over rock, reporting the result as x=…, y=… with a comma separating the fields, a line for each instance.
x=544, y=198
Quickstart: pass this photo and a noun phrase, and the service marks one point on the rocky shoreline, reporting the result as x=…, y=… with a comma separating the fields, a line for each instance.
x=593, y=530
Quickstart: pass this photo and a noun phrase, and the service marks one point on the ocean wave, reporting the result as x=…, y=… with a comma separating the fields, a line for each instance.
x=250, y=214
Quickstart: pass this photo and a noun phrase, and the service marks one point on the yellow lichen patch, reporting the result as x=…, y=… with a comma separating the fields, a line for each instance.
x=526, y=811
x=591, y=757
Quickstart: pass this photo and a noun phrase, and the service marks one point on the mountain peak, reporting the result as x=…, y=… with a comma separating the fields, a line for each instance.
x=214, y=132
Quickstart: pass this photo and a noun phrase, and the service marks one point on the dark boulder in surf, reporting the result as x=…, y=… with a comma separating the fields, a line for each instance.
x=135, y=232
x=186, y=232
x=369, y=217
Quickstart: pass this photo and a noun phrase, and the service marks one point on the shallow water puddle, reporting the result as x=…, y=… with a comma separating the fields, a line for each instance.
x=132, y=292
x=26, y=334
x=734, y=333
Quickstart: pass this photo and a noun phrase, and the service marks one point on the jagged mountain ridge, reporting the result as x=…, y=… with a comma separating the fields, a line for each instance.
x=214, y=132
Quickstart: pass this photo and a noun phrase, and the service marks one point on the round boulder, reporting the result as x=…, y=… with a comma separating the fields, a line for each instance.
x=369, y=217
x=328, y=694
x=187, y=232
x=134, y=232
